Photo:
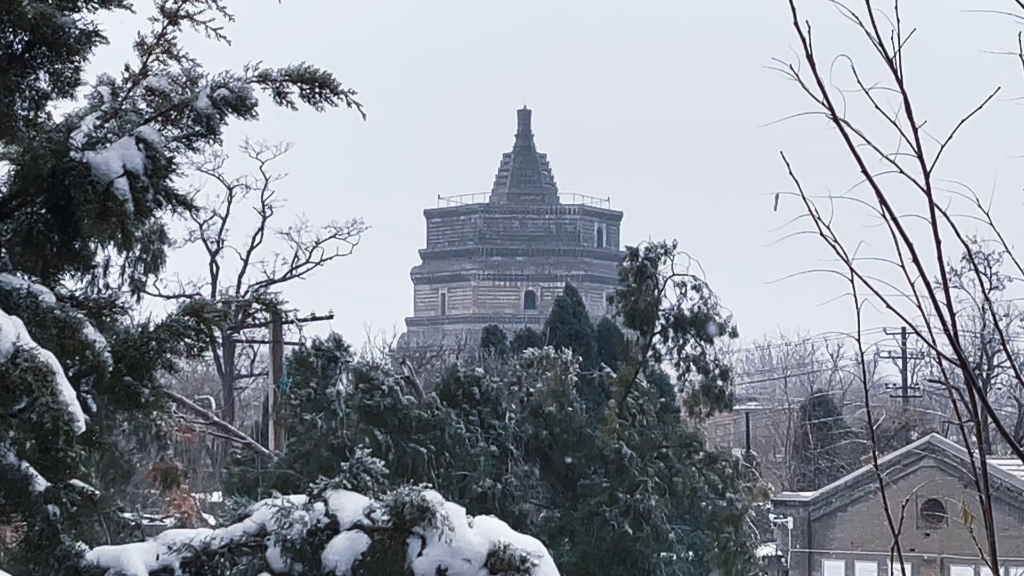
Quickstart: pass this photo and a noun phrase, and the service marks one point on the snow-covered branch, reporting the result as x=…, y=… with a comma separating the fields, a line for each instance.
x=234, y=434
x=435, y=536
x=14, y=336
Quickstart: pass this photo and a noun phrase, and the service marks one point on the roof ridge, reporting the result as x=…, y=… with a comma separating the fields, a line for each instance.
x=933, y=439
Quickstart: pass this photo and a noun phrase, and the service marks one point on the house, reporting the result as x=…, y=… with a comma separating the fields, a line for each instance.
x=841, y=529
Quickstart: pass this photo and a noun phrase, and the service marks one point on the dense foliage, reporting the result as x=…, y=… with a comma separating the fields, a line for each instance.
x=573, y=434
x=85, y=201
x=825, y=446
x=623, y=486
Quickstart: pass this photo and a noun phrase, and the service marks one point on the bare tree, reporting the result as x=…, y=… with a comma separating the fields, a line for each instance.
x=978, y=299
x=421, y=365
x=776, y=375
x=897, y=161
x=247, y=271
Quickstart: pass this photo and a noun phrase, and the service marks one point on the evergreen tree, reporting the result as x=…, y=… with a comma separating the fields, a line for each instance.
x=611, y=343
x=494, y=340
x=825, y=447
x=526, y=338
x=83, y=204
x=525, y=440
x=461, y=439
x=677, y=319
x=569, y=327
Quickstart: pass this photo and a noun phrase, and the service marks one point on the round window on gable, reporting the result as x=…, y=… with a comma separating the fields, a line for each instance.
x=933, y=513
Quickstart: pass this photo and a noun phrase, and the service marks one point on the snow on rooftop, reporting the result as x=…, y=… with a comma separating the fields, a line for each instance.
x=1011, y=465
x=459, y=546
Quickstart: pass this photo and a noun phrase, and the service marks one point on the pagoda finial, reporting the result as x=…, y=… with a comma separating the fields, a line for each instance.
x=524, y=133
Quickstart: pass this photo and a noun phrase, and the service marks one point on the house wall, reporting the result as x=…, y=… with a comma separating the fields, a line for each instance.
x=858, y=531
x=727, y=431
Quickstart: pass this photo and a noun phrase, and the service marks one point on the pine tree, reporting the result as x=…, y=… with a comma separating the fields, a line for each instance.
x=494, y=340
x=825, y=446
x=569, y=327
x=523, y=439
x=611, y=343
x=83, y=230
x=526, y=338
x=460, y=439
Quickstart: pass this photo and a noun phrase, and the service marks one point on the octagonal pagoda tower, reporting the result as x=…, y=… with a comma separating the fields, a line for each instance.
x=502, y=258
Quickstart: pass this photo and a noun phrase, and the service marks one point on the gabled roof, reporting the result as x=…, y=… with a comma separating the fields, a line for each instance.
x=524, y=175
x=1003, y=472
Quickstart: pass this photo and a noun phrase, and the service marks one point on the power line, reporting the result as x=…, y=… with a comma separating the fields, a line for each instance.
x=823, y=337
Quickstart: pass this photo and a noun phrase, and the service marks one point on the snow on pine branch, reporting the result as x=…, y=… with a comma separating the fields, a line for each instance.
x=14, y=336
x=111, y=166
x=46, y=296
x=447, y=541
x=37, y=483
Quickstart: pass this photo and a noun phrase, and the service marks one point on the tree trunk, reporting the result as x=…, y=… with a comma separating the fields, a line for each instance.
x=1018, y=426
x=227, y=382
x=986, y=433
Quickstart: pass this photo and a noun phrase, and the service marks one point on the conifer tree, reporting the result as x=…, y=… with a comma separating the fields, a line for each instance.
x=494, y=340
x=569, y=327
x=526, y=338
x=611, y=343
x=825, y=446
x=83, y=230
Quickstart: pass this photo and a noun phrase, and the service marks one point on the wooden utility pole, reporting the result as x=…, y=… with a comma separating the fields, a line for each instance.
x=276, y=433
x=904, y=357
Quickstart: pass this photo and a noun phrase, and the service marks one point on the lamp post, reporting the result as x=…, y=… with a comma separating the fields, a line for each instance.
x=787, y=521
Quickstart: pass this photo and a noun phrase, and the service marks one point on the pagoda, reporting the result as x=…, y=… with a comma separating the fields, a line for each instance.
x=502, y=257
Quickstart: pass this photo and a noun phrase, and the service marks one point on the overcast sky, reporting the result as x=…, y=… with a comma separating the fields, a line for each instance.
x=661, y=106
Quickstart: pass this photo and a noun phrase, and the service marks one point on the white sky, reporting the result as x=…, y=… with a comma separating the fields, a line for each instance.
x=660, y=105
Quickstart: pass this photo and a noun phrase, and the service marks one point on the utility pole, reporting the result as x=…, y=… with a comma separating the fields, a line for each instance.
x=275, y=433
x=746, y=429
x=276, y=437
x=904, y=356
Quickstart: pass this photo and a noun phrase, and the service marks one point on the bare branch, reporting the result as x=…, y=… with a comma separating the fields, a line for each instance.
x=232, y=433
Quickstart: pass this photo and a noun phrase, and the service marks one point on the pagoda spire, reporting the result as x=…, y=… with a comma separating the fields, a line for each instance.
x=524, y=175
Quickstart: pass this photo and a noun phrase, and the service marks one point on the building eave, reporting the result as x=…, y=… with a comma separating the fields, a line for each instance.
x=864, y=481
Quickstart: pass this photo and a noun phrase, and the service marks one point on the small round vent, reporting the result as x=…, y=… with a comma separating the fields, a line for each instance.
x=933, y=512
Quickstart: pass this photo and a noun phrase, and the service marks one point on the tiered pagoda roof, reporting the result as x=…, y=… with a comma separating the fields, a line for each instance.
x=524, y=175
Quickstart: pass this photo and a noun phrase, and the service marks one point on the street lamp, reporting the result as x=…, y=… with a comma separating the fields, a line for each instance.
x=787, y=521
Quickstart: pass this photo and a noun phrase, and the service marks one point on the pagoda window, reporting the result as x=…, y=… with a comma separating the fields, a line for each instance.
x=530, y=301
x=443, y=309
x=600, y=236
